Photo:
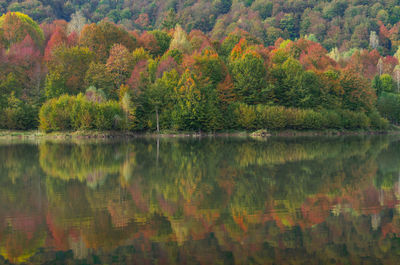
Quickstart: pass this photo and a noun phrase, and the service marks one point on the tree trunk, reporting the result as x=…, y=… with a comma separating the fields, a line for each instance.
x=158, y=150
x=158, y=123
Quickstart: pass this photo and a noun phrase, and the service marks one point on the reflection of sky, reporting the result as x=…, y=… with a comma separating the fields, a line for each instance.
x=201, y=198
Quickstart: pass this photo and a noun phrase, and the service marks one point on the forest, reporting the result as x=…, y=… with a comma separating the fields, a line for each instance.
x=199, y=65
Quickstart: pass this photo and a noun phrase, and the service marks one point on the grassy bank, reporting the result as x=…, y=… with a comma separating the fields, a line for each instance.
x=36, y=134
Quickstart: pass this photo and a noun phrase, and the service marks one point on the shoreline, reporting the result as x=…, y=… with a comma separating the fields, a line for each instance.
x=7, y=134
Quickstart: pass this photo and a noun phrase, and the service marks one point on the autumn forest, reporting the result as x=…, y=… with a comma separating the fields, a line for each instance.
x=199, y=65
x=132, y=132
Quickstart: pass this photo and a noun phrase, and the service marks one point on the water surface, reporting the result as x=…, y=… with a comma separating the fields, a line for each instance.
x=201, y=201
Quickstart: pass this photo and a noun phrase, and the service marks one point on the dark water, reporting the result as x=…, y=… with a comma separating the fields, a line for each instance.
x=201, y=201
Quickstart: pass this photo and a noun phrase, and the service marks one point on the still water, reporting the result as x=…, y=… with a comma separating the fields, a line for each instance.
x=201, y=201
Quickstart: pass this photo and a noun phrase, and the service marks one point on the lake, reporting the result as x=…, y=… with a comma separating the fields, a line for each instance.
x=316, y=200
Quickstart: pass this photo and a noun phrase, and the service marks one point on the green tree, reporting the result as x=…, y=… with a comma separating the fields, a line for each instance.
x=163, y=41
x=387, y=83
x=170, y=20
x=67, y=70
x=249, y=77
x=389, y=106
x=99, y=76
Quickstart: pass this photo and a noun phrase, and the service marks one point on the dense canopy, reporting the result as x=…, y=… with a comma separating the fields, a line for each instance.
x=122, y=77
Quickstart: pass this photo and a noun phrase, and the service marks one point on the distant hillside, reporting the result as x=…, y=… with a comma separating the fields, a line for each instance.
x=339, y=23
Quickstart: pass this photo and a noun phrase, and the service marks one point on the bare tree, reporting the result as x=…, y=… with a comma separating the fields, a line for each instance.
x=373, y=40
x=77, y=22
x=396, y=74
x=380, y=66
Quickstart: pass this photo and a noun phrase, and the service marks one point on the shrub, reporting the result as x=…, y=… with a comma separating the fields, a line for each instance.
x=295, y=118
x=271, y=117
x=389, y=106
x=313, y=120
x=354, y=120
x=378, y=122
x=246, y=116
x=332, y=119
x=77, y=113
x=18, y=115
x=278, y=117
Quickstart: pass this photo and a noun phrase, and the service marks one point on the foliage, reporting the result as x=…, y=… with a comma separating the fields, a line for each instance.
x=101, y=38
x=172, y=80
x=14, y=26
x=278, y=117
x=67, y=69
x=389, y=106
x=18, y=115
x=180, y=41
x=78, y=113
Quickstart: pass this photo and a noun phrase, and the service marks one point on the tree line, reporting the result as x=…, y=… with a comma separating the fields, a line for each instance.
x=73, y=76
x=334, y=23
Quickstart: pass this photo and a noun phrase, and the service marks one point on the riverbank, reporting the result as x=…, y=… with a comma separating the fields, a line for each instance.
x=36, y=134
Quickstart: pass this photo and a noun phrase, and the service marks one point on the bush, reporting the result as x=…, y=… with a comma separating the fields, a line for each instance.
x=354, y=120
x=389, y=106
x=295, y=118
x=378, y=122
x=246, y=116
x=332, y=119
x=271, y=117
x=77, y=113
x=313, y=120
x=18, y=115
x=278, y=117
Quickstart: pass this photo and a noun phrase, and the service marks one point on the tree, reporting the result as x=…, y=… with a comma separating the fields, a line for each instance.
x=389, y=106
x=170, y=20
x=292, y=86
x=387, y=82
x=163, y=41
x=233, y=39
x=24, y=62
x=358, y=93
x=380, y=66
x=396, y=73
x=188, y=96
x=18, y=115
x=373, y=40
x=249, y=76
x=128, y=107
x=67, y=70
x=77, y=22
x=288, y=23
x=315, y=57
x=225, y=91
x=120, y=65
x=99, y=76
x=180, y=41
x=149, y=42
x=156, y=94
x=100, y=38
x=58, y=38
x=377, y=85
x=222, y=6
x=15, y=26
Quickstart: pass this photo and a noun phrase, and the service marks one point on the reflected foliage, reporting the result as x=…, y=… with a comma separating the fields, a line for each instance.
x=329, y=200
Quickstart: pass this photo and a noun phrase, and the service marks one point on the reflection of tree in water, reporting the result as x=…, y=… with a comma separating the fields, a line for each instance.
x=22, y=207
x=86, y=162
x=282, y=201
